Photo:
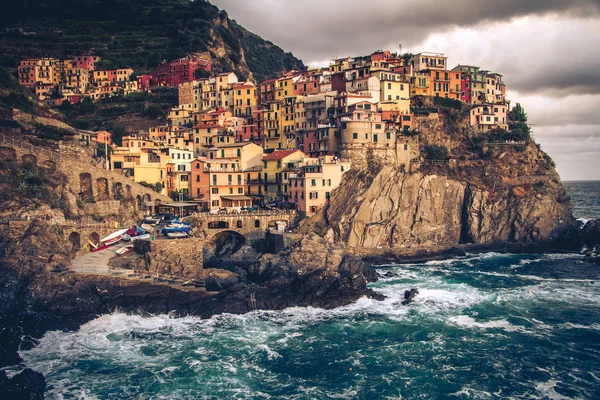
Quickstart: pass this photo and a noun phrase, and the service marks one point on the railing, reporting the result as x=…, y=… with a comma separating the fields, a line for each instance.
x=249, y=213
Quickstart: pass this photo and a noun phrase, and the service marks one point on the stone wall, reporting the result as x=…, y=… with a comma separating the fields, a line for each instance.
x=182, y=258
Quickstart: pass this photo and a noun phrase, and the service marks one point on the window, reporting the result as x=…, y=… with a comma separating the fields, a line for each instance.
x=230, y=190
x=355, y=135
x=405, y=147
x=240, y=191
x=257, y=223
x=313, y=182
x=197, y=178
x=184, y=178
x=388, y=136
x=214, y=190
x=377, y=126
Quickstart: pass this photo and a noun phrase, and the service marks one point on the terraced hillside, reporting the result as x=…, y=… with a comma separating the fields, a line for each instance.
x=137, y=33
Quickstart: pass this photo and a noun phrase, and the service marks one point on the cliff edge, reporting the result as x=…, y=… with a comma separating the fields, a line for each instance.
x=463, y=187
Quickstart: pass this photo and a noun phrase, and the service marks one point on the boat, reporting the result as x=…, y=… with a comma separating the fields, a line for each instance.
x=118, y=234
x=112, y=241
x=177, y=225
x=124, y=250
x=147, y=227
x=177, y=235
x=147, y=236
x=166, y=231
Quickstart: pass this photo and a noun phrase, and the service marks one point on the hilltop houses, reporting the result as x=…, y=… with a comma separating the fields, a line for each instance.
x=232, y=143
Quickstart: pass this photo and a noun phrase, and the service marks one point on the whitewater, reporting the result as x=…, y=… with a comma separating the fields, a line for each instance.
x=483, y=326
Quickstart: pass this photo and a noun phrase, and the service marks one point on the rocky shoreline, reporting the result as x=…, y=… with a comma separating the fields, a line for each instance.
x=313, y=271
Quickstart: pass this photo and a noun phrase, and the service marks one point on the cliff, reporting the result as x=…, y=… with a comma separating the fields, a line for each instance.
x=137, y=33
x=483, y=193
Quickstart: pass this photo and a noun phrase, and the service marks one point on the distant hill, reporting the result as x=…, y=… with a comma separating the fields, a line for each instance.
x=137, y=33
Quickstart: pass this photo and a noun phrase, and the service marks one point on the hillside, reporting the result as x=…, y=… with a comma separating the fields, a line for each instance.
x=138, y=34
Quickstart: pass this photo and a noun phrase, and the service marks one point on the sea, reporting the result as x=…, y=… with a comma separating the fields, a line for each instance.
x=483, y=326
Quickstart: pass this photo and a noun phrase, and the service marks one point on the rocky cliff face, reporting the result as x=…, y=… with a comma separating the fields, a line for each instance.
x=497, y=194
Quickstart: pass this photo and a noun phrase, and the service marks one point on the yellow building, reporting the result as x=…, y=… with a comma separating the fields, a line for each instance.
x=272, y=126
x=419, y=84
x=154, y=168
x=288, y=129
x=43, y=70
x=275, y=173
x=245, y=99
x=310, y=188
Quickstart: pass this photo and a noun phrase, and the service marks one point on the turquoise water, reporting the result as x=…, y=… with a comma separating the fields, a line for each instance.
x=487, y=326
x=483, y=326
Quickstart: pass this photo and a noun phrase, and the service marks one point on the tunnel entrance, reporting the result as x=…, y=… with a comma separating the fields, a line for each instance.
x=228, y=243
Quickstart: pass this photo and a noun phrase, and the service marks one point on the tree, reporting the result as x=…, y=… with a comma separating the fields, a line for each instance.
x=201, y=73
x=118, y=131
x=517, y=114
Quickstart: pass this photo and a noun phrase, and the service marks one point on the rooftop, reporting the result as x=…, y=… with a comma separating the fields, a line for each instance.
x=279, y=155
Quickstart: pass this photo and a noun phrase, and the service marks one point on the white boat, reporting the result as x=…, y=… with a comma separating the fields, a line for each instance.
x=114, y=235
x=147, y=236
x=124, y=250
x=177, y=235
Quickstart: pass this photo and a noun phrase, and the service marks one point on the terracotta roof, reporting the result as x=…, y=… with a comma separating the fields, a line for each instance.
x=279, y=155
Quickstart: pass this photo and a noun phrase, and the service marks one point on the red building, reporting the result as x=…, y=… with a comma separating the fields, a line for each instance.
x=178, y=71
x=85, y=62
x=143, y=82
x=465, y=85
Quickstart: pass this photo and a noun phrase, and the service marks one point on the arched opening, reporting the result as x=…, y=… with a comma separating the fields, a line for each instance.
x=228, y=243
x=218, y=225
x=239, y=224
x=49, y=164
x=75, y=240
x=128, y=192
x=257, y=223
x=94, y=239
x=119, y=192
x=29, y=161
x=102, y=189
x=8, y=154
x=86, y=191
x=139, y=202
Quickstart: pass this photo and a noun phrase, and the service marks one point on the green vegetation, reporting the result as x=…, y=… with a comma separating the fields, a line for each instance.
x=435, y=152
x=157, y=187
x=134, y=33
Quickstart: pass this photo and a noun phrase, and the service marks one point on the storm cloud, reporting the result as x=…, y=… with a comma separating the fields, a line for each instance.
x=547, y=51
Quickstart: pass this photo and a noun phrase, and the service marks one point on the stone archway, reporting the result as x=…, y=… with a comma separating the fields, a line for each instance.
x=94, y=238
x=86, y=191
x=8, y=154
x=75, y=240
x=228, y=242
x=29, y=161
x=102, y=189
x=119, y=192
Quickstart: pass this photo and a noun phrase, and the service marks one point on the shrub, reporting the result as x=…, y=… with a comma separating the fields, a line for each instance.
x=435, y=152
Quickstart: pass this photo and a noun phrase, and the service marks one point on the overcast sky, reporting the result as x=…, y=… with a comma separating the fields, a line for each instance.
x=547, y=50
